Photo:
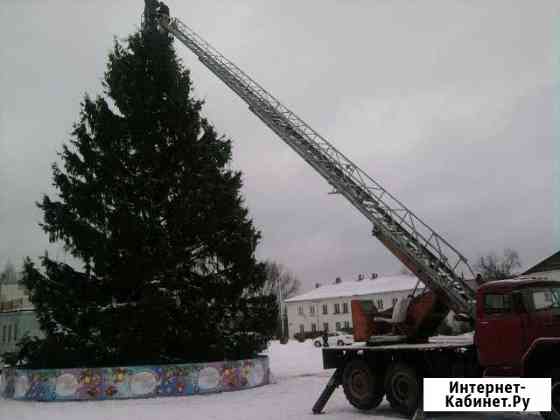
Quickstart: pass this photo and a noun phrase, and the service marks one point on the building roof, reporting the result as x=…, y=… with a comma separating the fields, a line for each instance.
x=359, y=288
x=549, y=264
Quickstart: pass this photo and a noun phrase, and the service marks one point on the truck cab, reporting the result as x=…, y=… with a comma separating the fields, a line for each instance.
x=514, y=319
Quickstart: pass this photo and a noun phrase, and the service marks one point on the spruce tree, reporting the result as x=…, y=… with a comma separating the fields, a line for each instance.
x=147, y=201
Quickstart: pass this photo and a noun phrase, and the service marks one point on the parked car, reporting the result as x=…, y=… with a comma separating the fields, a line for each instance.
x=337, y=338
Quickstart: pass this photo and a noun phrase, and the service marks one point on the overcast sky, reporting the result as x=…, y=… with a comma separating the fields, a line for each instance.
x=451, y=105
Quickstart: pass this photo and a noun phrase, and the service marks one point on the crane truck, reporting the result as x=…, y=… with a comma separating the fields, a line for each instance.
x=516, y=322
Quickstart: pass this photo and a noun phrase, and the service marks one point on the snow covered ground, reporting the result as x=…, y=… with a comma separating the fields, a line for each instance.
x=299, y=377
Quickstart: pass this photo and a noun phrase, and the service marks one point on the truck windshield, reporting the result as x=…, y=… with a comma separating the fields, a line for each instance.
x=546, y=298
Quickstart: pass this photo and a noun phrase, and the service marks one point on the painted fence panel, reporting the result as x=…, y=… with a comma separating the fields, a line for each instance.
x=133, y=382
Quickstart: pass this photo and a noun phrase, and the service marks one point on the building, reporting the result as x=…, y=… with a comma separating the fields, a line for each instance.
x=549, y=267
x=17, y=316
x=328, y=307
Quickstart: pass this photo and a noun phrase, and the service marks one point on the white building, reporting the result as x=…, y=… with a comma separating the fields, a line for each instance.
x=328, y=307
x=17, y=316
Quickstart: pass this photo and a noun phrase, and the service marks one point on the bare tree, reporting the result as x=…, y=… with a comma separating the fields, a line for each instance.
x=284, y=285
x=280, y=281
x=9, y=274
x=492, y=267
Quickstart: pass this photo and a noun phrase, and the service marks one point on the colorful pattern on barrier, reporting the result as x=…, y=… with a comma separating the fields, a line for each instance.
x=133, y=382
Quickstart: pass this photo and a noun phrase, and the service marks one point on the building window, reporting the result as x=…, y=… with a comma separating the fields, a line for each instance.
x=4, y=334
x=300, y=310
x=379, y=303
x=312, y=310
x=347, y=324
x=345, y=308
x=338, y=326
x=337, y=308
x=395, y=300
x=15, y=332
x=9, y=333
x=301, y=328
x=313, y=327
x=325, y=309
x=325, y=326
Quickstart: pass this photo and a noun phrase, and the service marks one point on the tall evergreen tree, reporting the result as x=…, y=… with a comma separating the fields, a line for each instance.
x=147, y=201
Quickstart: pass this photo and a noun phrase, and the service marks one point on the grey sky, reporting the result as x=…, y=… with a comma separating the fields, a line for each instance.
x=451, y=105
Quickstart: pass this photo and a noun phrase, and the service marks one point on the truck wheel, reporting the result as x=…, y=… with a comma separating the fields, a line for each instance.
x=317, y=343
x=555, y=403
x=403, y=388
x=362, y=387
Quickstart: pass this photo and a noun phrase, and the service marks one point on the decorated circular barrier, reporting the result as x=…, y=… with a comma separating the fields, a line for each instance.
x=133, y=382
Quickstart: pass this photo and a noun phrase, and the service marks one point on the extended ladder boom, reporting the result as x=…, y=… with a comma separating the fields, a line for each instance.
x=432, y=259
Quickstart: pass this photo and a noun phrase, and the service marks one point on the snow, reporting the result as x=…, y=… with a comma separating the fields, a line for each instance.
x=359, y=288
x=299, y=379
x=465, y=339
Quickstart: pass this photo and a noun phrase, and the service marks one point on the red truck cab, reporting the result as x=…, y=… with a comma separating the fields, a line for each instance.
x=517, y=334
x=517, y=325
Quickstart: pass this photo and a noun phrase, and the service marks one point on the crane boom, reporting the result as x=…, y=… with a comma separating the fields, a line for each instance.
x=419, y=247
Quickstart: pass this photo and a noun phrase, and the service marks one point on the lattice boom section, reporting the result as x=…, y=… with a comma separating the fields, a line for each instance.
x=409, y=233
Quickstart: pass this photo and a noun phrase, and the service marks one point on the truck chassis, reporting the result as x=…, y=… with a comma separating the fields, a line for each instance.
x=370, y=372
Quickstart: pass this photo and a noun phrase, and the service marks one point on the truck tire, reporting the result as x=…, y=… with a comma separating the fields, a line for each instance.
x=555, y=403
x=402, y=385
x=362, y=386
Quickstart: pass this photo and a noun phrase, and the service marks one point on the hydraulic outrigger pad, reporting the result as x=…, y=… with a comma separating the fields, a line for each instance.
x=334, y=382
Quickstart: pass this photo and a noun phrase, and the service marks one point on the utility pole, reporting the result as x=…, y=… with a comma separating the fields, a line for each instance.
x=280, y=308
